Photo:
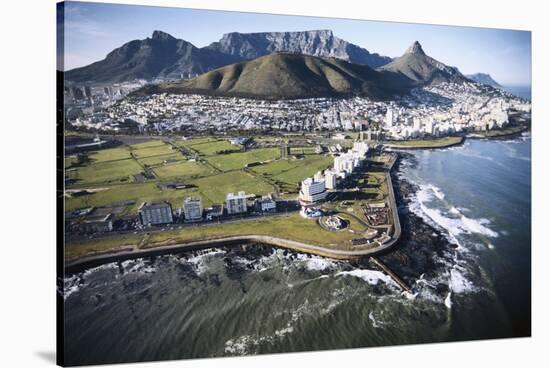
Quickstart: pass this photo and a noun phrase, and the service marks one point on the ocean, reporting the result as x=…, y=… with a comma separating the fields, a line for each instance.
x=519, y=91
x=466, y=253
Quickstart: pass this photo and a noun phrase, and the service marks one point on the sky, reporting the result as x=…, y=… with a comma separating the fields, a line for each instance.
x=92, y=30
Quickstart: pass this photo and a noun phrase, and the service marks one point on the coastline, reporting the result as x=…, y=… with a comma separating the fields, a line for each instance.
x=132, y=252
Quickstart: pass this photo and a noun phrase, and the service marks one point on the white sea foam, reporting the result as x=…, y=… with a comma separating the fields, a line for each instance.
x=375, y=323
x=106, y=266
x=199, y=259
x=371, y=276
x=458, y=282
x=453, y=221
x=448, y=302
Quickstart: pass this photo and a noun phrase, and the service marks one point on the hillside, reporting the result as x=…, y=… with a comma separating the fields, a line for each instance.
x=289, y=76
x=166, y=57
x=422, y=69
x=484, y=79
x=161, y=55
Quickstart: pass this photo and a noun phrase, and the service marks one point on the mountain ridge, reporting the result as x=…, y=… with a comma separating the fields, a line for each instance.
x=484, y=78
x=284, y=75
x=164, y=56
x=422, y=69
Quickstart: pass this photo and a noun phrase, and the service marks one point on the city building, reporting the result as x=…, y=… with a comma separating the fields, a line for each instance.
x=214, y=212
x=266, y=204
x=389, y=118
x=313, y=191
x=330, y=179
x=192, y=209
x=155, y=213
x=235, y=203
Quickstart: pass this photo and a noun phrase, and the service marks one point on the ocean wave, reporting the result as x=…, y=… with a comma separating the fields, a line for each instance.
x=448, y=302
x=453, y=220
x=198, y=260
x=370, y=276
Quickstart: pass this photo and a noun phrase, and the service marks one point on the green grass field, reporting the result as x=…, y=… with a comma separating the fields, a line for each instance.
x=138, y=192
x=109, y=154
x=163, y=149
x=501, y=132
x=291, y=227
x=192, y=142
x=215, y=188
x=426, y=143
x=240, y=159
x=106, y=172
x=159, y=160
x=148, y=144
x=181, y=169
x=293, y=171
x=210, y=148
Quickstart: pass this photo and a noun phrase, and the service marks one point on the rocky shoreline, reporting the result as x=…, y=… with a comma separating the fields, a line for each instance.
x=415, y=255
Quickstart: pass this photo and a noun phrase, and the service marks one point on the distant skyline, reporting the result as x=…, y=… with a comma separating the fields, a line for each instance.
x=92, y=30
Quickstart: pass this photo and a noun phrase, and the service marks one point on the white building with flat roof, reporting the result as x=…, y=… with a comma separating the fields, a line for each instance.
x=192, y=208
x=389, y=118
x=235, y=203
x=313, y=191
x=330, y=179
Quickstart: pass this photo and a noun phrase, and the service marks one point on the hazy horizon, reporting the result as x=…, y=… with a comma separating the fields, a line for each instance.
x=92, y=30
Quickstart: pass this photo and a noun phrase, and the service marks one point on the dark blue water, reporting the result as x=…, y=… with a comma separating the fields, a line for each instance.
x=225, y=302
x=480, y=194
x=519, y=91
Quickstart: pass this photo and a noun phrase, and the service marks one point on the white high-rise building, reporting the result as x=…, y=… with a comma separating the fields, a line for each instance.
x=313, y=191
x=361, y=148
x=192, y=208
x=417, y=124
x=389, y=118
x=330, y=179
x=235, y=203
x=429, y=126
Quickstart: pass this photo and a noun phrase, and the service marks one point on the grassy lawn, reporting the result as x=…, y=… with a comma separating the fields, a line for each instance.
x=210, y=148
x=215, y=188
x=181, y=169
x=292, y=227
x=109, y=154
x=137, y=192
x=162, y=149
x=501, y=132
x=157, y=160
x=192, y=142
x=293, y=171
x=308, y=150
x=240, y=159
x=148, y=144
x=69, y=160
x=426, y=143
x=106, y=172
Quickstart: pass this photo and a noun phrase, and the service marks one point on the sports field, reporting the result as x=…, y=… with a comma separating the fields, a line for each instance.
x=292, y=171
x=181, y=169
x=117, y=171
x=212, y=147
x=240, y=159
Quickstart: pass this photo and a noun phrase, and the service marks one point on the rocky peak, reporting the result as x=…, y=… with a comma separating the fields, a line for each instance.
x=161, y=36
x=415, y=48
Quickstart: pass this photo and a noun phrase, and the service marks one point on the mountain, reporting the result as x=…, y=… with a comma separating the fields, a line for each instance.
x=161, y=55
x=316, y=43
x=422, y=69
x=484, y=79
x=284, y=75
